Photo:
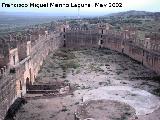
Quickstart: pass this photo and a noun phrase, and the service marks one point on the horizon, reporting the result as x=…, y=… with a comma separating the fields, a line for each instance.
x=53, y=15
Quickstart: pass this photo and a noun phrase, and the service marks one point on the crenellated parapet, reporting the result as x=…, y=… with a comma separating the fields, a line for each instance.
x=138, y=45
x=21, y=56
x=23, y=53
x=152, y=41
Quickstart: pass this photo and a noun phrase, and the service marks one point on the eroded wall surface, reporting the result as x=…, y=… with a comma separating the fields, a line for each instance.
x=16, y=76
x=125, y=41
x=24, y=69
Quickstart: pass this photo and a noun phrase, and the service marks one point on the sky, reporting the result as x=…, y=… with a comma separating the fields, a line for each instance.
x=139, y=5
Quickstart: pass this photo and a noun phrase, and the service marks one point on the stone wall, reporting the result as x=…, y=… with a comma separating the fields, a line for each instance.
x=78, y=39
x=7, y=93
x=147, y=57
x=13, y=57
x=121, y=41
x=4, y=53
x=15, y=77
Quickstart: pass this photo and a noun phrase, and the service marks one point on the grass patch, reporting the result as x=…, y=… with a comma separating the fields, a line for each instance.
x=78, y=71
x=69, y=64
x=64, y=109
x=156, y=78
x=65, y=55
x=156, y=91
x=103, y=83
x=95, y=68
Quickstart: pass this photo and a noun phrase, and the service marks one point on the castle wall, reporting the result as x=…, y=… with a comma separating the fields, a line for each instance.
x=123, y=42
x=14, y=80
x=13, y=57
x=111, y=42
x=78, y=39
x=145, y=56
x=22, y=47
x=25, y=60
x=152, y=61
x=4, y=53
x=133, y=51
x=2, y=61
x=7, y=93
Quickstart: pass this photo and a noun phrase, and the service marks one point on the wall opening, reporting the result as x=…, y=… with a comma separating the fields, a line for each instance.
x=64, y=45
x=64, y=30
x=30, y=75
x=100, y=43
x=14, y=60
x=27, y=83
x=122, y=50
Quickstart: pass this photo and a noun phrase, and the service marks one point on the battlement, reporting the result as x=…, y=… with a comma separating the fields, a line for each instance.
x=22, y=54
x=20, y=64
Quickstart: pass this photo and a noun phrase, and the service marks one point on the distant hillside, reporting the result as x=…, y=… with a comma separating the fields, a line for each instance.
x=134, y=13
x=10, y=21
x=13, y=21
x=142, y=20
x=24, y=18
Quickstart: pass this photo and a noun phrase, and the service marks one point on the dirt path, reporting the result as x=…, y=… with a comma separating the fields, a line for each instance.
x=86, y=70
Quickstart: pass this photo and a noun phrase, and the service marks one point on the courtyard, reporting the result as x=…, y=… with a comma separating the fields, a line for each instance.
x=129, y=89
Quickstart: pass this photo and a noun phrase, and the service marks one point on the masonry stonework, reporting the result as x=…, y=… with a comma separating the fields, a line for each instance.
x=22, y=55
x=146, y=51
x=24, y=61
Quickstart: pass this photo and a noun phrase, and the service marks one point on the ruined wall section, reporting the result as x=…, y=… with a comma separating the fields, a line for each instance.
x=147, y=57
x=133, y=51
x=13, y=57
x=146, y=51
x=81, y=38
x=7, y=92
x=4, y=53
x=152, y=60
x=41, y=49
x=22, y=46
x=136, y=50
x=14, y=80
x=112, y=40
x=15, y=77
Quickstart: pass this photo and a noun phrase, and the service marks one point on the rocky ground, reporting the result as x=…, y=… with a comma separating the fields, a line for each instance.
x=88, y=70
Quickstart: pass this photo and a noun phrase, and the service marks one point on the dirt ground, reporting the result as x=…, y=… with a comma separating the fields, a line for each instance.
x=86, y=70
x=105, y=110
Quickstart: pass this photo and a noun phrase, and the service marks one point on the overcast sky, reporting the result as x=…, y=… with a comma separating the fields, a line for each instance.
x=141, y=5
